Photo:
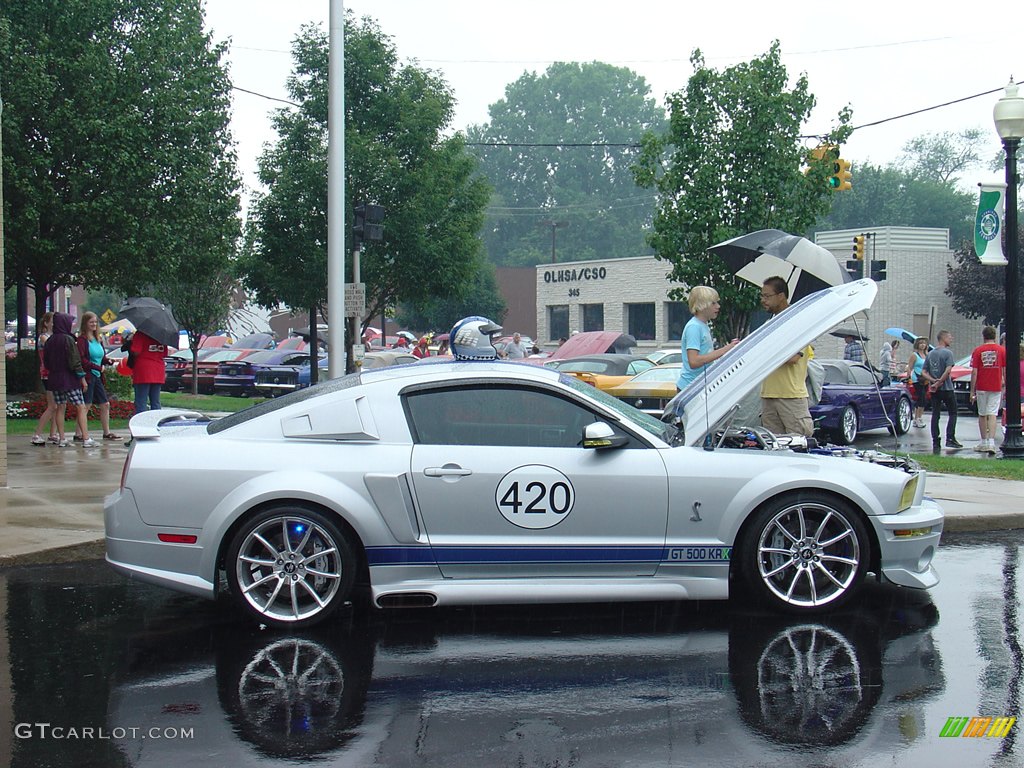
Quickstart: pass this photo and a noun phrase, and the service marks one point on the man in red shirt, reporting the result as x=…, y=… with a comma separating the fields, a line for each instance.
x=988, y=368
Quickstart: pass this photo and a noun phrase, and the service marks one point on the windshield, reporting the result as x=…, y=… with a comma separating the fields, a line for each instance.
x=638, y=418
x=659, y=373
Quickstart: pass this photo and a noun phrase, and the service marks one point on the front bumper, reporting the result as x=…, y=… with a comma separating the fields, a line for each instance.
x=907, y=544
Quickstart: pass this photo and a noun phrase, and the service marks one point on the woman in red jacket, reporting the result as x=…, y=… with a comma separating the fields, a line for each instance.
x=148, y=374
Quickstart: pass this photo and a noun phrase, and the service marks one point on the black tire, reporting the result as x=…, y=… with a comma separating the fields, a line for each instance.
x=291, y=566
x=904, y=416
x=846, y=432
x=804, y=553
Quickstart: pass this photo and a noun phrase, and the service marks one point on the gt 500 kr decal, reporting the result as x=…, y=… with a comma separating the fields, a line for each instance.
x=698, y=554
x=535, y=496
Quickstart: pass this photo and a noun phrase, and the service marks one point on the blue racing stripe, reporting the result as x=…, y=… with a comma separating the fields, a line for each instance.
x=469, y=555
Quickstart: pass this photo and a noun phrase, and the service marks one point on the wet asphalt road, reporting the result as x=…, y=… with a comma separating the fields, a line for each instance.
x=168, y=680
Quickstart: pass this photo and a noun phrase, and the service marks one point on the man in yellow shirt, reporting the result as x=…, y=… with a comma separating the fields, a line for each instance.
x=784, y=408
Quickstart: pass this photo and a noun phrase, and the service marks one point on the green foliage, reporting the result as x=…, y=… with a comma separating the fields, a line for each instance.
x=395, y=155
x=118, y=387
x=730, y=163
x=892, y=197
x=979, y=291
x=117, y=158
x=587, y=188
x=480, y=296
x=23, y=372
x=99, y=301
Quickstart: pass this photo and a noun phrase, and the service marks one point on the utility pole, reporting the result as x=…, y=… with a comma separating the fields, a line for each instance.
x=555, y=226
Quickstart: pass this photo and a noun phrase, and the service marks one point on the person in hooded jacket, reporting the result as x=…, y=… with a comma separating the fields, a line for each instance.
x=66, y=377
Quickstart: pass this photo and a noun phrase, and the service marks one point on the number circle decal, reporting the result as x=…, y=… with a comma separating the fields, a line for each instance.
x=535, y=496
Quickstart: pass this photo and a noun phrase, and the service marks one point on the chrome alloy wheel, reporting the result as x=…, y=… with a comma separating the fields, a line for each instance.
x=809, y=554
x=849, y=425
x=288, y=568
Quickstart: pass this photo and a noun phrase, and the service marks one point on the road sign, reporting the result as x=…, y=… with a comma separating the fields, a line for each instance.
x=108, y=317
x=355, y=299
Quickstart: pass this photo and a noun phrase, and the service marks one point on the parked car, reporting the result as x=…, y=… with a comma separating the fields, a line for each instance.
x=853, y=400
x=238, y=377
x=177, y=363
x=961, y=376
x=595, y=343
x=602, y=371
x=206, y=369
x=491, y=482
x=650, y=390
x=665, y=356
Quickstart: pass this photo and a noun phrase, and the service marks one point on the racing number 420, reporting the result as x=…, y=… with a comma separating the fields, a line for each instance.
x=539, y=498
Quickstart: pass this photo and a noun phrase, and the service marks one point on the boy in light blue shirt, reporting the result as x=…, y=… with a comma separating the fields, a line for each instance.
x=697, y=344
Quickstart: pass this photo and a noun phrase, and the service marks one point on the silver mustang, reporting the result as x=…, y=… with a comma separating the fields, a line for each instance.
x=497, y=482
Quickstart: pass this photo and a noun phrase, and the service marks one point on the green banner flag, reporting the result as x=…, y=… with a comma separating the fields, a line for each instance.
x=988, y=225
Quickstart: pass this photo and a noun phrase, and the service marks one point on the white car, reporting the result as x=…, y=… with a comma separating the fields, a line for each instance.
x=497, y=482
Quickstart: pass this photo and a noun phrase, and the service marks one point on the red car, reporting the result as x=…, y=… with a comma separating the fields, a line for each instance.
x=206, y=369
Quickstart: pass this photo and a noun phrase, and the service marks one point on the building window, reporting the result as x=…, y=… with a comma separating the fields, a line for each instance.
x=558, y=322
x=677, y=314
x=640, y=321
x=593, y=317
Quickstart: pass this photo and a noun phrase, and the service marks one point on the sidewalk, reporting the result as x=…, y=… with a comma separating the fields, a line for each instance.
x=52, y=509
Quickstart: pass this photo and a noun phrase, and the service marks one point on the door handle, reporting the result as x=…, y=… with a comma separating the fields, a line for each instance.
x=448, y=470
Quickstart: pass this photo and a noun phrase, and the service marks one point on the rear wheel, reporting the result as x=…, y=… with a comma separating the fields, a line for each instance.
x=804, y=553
x=290, y=566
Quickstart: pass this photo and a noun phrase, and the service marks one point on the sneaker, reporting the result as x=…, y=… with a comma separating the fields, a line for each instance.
x=982, y=447
x=992, y=447
x=952, y=442
x=936, y=447
x=38, y=440
x=919, y=424
x=90, y=443
x=65, y=443
x=54, y=439
x=78, y=438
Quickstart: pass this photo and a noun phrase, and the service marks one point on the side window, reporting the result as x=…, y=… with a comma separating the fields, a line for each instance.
x=862, y=376
x=496, y=416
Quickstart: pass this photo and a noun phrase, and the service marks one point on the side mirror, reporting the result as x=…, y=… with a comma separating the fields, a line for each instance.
x=600, y=435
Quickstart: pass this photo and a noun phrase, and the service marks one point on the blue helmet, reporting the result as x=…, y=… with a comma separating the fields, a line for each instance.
x=471, y=339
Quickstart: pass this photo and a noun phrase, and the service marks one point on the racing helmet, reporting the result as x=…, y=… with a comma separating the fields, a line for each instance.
x=471, y=339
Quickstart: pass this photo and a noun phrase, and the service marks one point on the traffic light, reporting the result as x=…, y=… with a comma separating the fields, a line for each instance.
x=878, y=270
x=855, y=268
x=858, y=247
x=839, y=181
x=367, y=225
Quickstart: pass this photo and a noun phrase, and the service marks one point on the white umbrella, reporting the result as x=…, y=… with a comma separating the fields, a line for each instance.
x=118, y=326
x=804, y=266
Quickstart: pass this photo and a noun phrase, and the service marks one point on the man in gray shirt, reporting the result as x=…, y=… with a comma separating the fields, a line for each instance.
x=936, y=372
x=516, y=350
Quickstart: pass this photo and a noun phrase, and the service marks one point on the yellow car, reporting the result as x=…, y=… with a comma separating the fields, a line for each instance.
x=602, y=371
x=649, y=390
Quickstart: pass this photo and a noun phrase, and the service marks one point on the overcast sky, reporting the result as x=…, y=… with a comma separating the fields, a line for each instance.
x=884, y=59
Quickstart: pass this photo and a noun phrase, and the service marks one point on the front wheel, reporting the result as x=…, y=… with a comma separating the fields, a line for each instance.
x=846, y=433
x=805, y=553
x=290, y=566
x=904, y=415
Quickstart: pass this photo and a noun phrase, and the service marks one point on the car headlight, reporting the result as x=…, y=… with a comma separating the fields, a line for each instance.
x=909, y=493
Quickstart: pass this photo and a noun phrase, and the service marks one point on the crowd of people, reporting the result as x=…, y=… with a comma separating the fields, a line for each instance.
x=72, y=368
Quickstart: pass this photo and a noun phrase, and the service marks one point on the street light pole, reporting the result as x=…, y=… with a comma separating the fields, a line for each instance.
x=555, y=226
x=1009, y=119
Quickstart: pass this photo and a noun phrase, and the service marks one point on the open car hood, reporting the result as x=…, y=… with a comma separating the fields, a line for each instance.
x=711, y=398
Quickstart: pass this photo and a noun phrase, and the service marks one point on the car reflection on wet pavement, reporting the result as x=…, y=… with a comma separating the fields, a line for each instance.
x=168, y=680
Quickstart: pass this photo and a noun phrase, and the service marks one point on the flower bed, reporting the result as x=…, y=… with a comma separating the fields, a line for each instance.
x=33, y=409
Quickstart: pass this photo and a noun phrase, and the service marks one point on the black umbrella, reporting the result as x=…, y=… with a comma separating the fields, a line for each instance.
x=151, y=318
x=842, y=333
x=804, y=266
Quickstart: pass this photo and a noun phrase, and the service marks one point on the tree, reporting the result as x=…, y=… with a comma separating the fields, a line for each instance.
x=942, y=157
x=731, y=163
x=478, y=297
x=890, y=196
x=589, y=117
x=201, y=304
x=395, y=156
x=117, y=156
x=978, y=291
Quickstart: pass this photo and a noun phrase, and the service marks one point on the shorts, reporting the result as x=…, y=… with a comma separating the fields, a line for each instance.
x=786, y=416
x=988, y=402
x=96, y=393
x=73, y=396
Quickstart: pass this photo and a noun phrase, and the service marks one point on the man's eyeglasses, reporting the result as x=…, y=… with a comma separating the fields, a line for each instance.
x=768, y=295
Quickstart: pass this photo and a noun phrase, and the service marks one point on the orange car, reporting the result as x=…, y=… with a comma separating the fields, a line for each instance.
x=650, y=390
